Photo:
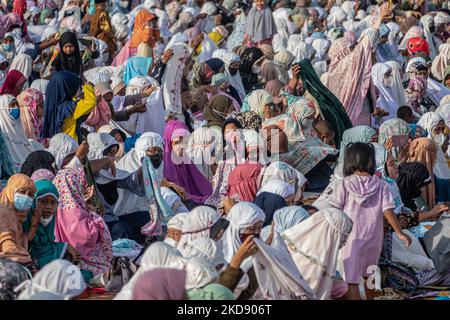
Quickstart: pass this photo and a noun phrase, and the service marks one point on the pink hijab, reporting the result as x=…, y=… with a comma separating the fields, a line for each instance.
x=75, y=224
x=243, y=181
x=101, y=115
x=28, y=101
x=160, y=284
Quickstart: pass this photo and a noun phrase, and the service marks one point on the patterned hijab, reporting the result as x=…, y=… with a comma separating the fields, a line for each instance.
x=28, y=101
x=393, y=127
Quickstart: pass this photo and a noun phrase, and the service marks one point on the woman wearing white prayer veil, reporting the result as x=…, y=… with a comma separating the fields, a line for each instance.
x=128, y=202
x=428, y=21
x=11, y=127
x=314, y=245
x=197, y=224
x=383, y=80
x=200, y=273
x=205, y=248
x=397, y=85
x=203, y=143
x=157, y=255
x=246, y=219
x=60, y=278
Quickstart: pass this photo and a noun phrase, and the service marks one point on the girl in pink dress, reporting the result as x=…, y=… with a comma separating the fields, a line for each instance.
x=365, y=198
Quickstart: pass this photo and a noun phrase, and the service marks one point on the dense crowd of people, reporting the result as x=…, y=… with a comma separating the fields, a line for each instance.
x=222, y=150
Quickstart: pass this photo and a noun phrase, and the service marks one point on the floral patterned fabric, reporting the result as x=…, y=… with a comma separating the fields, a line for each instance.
x=306, y=150
x=28, y=101
x=393, y=127
x=84, y=230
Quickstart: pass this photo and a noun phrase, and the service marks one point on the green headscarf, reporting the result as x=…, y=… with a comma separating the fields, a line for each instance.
x=43, y=247
x=331, y=108
x=213, y=291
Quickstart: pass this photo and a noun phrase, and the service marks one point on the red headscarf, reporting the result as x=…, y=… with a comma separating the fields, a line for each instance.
x=14, y=80
x=243, y=181
x=418, y=44
x=20, y=7
x=141, y=33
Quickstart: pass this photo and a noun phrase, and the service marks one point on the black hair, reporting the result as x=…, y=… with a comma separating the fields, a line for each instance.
x=323, y=124
x=224, y=124
x=404, y=113
x=359, y=156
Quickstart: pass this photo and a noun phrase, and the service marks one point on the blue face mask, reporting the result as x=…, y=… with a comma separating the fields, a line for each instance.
x=15, y=113
x=8, y=46
x=22, y=202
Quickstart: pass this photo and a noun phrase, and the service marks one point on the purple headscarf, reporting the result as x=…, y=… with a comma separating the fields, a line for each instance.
x=160, y=284
x=185, y=174
x=7, y=21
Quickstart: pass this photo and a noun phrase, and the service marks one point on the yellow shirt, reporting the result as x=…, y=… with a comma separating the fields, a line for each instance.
x=83, y=107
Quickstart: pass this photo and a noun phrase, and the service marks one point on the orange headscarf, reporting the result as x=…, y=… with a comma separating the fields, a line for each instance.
x=141, y=33
x=15, y=183
x=424, y=150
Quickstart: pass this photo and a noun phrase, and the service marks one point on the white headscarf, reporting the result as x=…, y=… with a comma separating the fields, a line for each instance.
x=157, y=255
x=258, y=99
x=205, y=248
x=59, y=277
x=441, y=62
x=314, y=245
x=398, y=85
x=427, y=21
x=176, y=222
x=22, y=63
x=298, y=48
x=99, y=77
x=132, y=161
x=40, y=85
x=203, y=143
x=235, y=80
x=15, y=138
x=387, y=98
x=429, y=121
x=279, y=170
x=197, y=224
x=62, y=145
x=241, y=216
x=199, y=273
x=98, y=143
x=279, y=187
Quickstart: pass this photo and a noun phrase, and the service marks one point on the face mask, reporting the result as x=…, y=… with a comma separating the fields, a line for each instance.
x=44, y=222
x=123, y=4
x=439, y=139
x=231, y=136
x=233, y=71
x=22, y=202
x=48, y=20
x=8, y=46
x=171, y=242
x=15, y=113
x=388, y=82
x=307, y=123
x=256, y=69
x=156, y=160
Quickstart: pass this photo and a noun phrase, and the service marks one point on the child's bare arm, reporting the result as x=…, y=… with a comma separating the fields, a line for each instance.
x=393, y=221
